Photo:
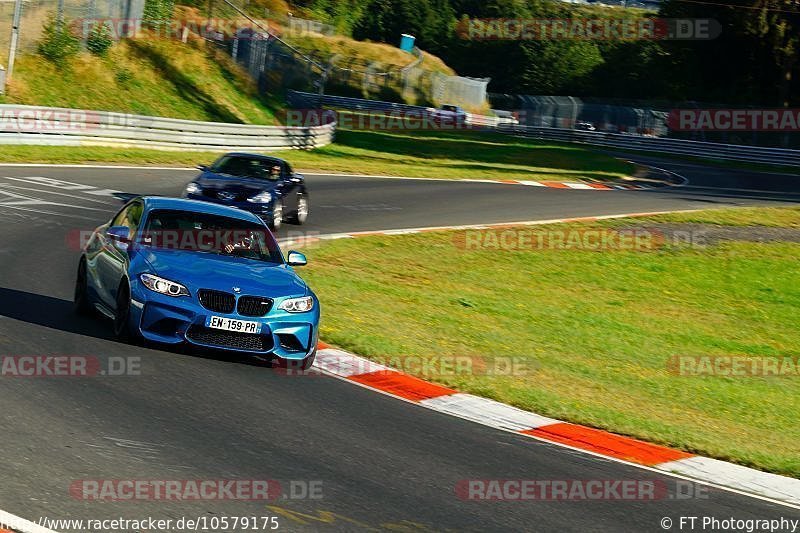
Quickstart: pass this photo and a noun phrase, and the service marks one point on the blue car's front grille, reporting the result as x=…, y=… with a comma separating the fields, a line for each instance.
x=217, y=301
x=229, y=339
x=253, y=306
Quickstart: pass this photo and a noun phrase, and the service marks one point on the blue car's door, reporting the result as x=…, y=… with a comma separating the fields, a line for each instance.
x=112, y=260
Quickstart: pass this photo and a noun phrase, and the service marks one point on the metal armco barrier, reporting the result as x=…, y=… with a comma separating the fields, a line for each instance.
x=731, y=152
x=34, y=125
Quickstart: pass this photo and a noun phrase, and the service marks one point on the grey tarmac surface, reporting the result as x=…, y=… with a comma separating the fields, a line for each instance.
x=382, y=463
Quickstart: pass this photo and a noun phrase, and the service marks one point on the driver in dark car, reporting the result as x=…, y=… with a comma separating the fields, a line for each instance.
x=275, y=172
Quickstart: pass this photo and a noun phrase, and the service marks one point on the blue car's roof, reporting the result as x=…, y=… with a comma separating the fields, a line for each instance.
x=196, y=206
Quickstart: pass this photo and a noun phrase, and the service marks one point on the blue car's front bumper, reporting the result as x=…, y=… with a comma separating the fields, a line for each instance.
x=264, y=211
x=174, y=320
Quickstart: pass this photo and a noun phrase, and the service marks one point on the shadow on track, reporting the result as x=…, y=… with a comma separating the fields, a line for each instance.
x=55, y=313
x=49, y=312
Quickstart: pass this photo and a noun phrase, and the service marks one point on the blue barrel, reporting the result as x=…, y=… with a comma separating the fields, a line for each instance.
x=407, y=42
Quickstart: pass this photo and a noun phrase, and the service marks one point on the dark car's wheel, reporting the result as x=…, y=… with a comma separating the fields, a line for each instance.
x=301, y=214
x=122, y=314
x=277, y=215
x=80, y=301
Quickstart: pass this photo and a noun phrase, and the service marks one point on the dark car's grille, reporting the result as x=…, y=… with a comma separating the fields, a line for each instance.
x=225, y=195
x=230, y=339
x=254, y=306
x=220, y=302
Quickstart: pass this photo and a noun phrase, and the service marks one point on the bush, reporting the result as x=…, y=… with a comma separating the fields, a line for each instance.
x=157, y=13
x=58, y=44
x=99, y=40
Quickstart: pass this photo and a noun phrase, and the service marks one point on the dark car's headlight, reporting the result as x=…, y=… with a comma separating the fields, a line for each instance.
x=163, y=286
x=297, y=305
x=261, y=198
x=193, y=188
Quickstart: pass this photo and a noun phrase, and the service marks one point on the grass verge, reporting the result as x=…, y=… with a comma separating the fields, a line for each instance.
x=146, y=77
x=595, y=329
x=464, y=155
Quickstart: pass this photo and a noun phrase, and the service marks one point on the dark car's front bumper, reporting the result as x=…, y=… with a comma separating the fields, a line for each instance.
x=261, y=210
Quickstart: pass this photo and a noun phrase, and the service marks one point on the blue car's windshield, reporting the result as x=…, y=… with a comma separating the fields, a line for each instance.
x=203, y=232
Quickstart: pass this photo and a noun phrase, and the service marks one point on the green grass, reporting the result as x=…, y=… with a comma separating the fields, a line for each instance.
x=146, y=77
x=777, y=217
x=596, y=327
x=467, y=155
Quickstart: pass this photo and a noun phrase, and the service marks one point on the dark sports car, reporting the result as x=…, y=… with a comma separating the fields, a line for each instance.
x=265, y=186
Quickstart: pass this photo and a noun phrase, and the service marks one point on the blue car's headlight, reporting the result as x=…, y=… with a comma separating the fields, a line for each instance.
x=163, y=286
x=297, y=305
x=261, y=198
x=193, y=188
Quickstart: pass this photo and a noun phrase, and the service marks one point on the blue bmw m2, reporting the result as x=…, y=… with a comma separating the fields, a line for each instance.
x=173, y=271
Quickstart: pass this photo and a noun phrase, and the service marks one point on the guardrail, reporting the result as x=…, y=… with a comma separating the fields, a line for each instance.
x=34, y=125
x=732, y=152
x=299, y=99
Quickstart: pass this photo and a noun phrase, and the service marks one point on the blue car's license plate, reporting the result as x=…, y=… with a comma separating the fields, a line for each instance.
x=232, y=324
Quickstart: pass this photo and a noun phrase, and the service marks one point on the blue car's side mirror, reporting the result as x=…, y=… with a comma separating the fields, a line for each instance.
x=119, y=234
x=202, y=168
x=296, y=259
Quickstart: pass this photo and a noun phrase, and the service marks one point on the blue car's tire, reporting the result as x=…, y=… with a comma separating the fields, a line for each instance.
x=123, y=329
x=81, y=303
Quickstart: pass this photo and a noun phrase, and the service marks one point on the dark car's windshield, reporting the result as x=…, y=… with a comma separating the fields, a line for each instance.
x=248, y=167
x=203, y=232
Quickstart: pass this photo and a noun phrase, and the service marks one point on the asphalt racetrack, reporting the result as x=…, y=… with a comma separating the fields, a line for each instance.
x=381, y=463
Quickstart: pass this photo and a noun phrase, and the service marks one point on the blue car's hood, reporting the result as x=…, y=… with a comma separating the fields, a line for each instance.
x=249, y=186
x=198, y=270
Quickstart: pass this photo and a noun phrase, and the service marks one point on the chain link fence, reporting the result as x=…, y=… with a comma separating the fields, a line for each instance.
x=466, y=92
x=571, y=112
x=632, y=117
x=34, y=15
x=279, y=67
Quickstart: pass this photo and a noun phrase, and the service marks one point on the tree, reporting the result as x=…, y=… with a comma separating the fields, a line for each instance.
x=58, y=43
